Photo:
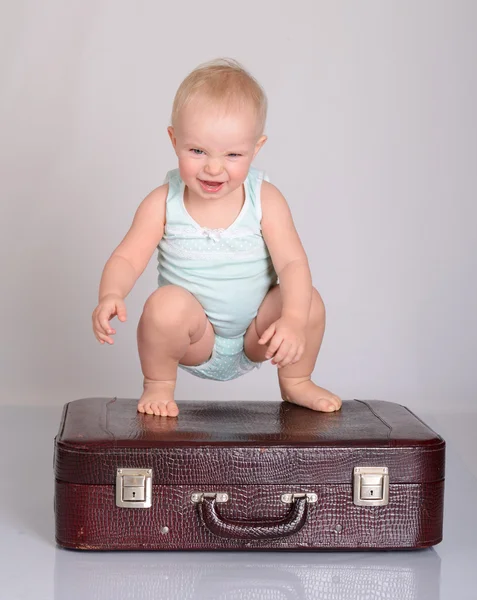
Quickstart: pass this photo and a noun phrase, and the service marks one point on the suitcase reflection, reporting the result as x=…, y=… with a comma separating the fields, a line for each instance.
x=251, y=576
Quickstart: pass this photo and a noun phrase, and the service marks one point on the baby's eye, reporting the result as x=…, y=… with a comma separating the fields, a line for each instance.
x=234, y=155
x=196, y=151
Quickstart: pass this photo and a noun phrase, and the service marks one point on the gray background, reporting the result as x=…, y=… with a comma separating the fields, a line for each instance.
x=372, y=140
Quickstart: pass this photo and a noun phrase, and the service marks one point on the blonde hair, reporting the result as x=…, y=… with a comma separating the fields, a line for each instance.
x=226, y=83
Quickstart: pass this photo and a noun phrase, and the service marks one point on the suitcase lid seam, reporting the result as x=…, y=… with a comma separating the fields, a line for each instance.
x=380, y=418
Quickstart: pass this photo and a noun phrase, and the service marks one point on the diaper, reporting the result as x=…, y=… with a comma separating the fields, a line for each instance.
x=228, y=361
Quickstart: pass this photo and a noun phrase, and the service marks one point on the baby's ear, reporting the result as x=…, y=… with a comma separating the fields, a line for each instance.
x=170, y=131
x=261, y=140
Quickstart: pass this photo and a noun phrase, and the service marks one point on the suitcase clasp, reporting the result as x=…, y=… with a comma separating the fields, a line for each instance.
x=290, y=498
x=371, y=486
x=219, y=496
x=134, y=488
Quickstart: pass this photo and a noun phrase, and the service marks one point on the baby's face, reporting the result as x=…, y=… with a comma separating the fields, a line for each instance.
x=215, y=148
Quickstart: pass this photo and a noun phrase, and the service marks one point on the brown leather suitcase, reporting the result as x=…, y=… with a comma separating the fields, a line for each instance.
x=247, y=475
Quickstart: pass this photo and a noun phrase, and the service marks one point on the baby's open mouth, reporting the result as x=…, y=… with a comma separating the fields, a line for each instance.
x=211, y=186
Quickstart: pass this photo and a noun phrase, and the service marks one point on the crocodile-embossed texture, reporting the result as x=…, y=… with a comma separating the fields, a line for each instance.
x=88, y=518
x=255, y=451
x=252, y=466
x=245, y=443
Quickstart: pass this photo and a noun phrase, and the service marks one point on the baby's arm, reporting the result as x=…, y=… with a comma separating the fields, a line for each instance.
x=129, y=259
x=288, y=256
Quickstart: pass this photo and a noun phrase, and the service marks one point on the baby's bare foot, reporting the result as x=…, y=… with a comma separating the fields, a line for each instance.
x=302, y=391
x=158, y=398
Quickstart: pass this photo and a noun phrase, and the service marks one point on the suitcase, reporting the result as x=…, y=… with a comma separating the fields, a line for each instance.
x=247, y=475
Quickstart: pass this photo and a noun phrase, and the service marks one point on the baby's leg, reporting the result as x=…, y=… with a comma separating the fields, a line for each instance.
x=294, y=378
x=173, y=328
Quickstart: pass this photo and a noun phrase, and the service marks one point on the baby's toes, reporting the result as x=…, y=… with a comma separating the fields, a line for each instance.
x=336, y=401
x=165, y=409
x=142, y=407
x=158, y=409
x=148, y=408
x=324, y=405
x=172, y=410
x=145, y=408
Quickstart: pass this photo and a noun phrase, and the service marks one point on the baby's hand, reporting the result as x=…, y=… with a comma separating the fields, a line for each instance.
x=287, y=341
x=109, y=306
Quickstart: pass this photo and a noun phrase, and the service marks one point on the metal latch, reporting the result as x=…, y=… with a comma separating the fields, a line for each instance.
x=371, y=486
x=289, y=498
x=134, y=488
x=197, y=497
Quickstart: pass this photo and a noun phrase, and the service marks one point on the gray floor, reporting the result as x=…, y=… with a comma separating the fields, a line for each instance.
x=32, y=567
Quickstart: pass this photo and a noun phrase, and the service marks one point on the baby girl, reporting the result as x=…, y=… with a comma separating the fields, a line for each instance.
x=234, y=286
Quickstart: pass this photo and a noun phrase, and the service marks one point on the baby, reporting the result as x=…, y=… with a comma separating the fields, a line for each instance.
x=234, y=286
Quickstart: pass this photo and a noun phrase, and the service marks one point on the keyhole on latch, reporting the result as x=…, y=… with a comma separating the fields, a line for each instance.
x=371, y=492
x=134, y=494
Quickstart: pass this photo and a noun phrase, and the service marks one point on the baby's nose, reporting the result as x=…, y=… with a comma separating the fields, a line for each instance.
x=214, y=167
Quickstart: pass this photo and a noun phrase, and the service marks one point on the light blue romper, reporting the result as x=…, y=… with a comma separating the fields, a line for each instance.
x=229, y=271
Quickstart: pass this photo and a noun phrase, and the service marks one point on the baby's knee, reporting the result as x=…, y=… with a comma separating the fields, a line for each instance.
x=168, y=307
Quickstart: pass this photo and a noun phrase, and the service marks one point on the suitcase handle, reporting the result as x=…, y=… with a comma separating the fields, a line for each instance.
x=252, y=530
